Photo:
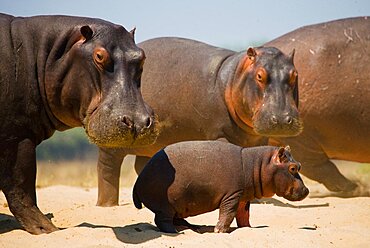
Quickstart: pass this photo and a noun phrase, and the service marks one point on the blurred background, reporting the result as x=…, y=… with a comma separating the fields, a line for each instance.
x=67, y=157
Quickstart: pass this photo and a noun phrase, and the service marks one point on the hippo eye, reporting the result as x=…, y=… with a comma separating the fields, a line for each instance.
x=261, y=76
x=293, y=169
x=102, y=59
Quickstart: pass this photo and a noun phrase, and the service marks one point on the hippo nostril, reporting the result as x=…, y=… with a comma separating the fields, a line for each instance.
x=148, y=122
x=274, y=119
x=127, y=121
x=288, y=120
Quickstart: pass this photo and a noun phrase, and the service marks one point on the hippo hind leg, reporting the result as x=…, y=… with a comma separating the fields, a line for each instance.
x=327, y=173
x=164, y=221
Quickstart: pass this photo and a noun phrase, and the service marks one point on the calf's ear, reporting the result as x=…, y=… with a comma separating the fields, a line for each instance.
x=279, y=155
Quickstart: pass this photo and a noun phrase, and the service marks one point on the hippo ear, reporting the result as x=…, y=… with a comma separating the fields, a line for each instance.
x=291, y=55
x=251, y=52
x=132, y=33
x=287, y=148
x=280, y=155
x=86, y=32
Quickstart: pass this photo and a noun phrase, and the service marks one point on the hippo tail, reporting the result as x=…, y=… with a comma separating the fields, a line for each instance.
x=136, y=199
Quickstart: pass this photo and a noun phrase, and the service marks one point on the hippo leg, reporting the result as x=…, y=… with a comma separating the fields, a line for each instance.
x=19, y=187
x=242, y=214
x=325, y=172
x=109, y=169
x=164, y=221
x=228, y=209
x=140, y=162
x=316, y=164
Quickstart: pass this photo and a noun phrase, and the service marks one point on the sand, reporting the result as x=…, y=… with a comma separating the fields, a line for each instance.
x=316, y=221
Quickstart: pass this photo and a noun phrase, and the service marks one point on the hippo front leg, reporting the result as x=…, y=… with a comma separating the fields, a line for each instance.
x=18, y=184
x=228, y=210
x=242, y=214
x=140, y=163
x=109, y=169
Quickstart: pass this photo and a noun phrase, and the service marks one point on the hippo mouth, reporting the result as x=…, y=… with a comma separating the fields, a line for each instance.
x=294, y=195
x=265, y=127
x=113, y=135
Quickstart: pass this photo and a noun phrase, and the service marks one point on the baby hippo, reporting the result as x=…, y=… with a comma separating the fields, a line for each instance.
x=195, y=177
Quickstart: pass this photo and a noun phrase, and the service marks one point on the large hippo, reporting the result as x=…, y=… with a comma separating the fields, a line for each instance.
x=59, y=72
x=333, y=60
x=190, y=178
x=201, y=92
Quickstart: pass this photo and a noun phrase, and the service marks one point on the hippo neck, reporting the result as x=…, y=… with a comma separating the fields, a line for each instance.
x=231, y=80
x=53, y=67
x=255, y=161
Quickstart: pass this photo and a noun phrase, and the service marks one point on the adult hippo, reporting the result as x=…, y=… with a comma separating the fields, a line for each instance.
x=59, y=72
x=201, y=92
x=333, y=60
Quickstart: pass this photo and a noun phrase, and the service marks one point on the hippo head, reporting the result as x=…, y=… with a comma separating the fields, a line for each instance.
x=263, y=93
x=96, y=84
x=281, y=177
x=287, y=182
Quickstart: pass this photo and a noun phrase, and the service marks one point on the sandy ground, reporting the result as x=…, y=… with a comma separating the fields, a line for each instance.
x=321, y=220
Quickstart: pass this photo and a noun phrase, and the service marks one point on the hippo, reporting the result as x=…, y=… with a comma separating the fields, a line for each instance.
x=60, y=72
x=333, y=60
x=194, y=177
x=202, y=92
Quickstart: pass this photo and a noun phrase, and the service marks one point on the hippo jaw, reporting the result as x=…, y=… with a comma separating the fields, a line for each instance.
x=264, y=93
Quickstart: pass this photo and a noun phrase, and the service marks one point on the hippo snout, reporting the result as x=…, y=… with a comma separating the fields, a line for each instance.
x=268, y=124
x=297, y=194
x=112, y=129
x=138, y=125
x=283, y=120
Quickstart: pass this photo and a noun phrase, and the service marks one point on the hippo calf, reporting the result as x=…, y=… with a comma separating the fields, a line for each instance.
x=60, y=72
x=195, y=177
x=202, y=92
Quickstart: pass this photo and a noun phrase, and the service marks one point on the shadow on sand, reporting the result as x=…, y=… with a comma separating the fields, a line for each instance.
x=133, y=234
x=278, y=203
x=8, y=223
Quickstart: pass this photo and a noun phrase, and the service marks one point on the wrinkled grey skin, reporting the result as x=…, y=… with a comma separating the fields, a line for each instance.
x=333, y=61
x=201, y=92
x=56, y=73
x=190, y=178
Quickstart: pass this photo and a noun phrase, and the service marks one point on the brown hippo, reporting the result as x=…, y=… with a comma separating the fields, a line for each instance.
x=333, y=60
x=201, y=92
x=190, y=178
x=59, y=72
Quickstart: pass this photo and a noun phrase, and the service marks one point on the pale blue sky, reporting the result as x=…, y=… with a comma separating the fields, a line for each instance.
x=228, y=23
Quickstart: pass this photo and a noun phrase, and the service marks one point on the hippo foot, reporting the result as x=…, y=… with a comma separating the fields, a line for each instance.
x=39, y=227
x=221, y=229
x=344, y=185
x=165, y=224
x=178, y=222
